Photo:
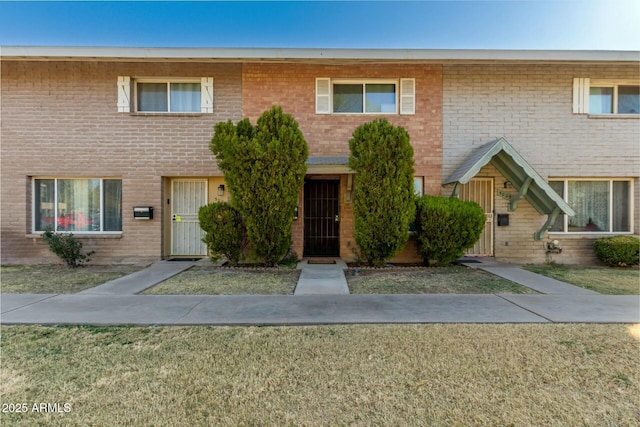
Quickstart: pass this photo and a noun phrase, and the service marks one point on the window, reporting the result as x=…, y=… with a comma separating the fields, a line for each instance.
x=365, y=97
x=166, y=96
x=600, y=97
x=85, y=205
x=601, y=206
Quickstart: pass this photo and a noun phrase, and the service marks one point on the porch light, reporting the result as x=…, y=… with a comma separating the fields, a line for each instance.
x=221, y=190
x=508, y=184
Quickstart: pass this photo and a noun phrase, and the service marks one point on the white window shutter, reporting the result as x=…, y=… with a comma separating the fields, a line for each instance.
x=206, y=97
x=323, y=96
x=581, y=95
x=124, y=94
x=407, y=96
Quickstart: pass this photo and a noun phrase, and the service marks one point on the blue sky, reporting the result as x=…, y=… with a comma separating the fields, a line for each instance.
x=530, y=24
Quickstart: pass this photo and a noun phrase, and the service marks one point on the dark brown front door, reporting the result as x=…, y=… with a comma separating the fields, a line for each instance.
x=321, y=218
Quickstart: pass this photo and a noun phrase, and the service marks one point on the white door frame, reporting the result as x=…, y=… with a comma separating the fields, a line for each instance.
x=188, y=222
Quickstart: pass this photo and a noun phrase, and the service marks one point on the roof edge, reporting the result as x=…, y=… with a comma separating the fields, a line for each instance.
x=328, y=54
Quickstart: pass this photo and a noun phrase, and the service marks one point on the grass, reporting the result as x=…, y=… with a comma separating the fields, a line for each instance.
x=606, y=280
x=440, y=375
x=208, y=280
x=448, y=280
x=57, y=279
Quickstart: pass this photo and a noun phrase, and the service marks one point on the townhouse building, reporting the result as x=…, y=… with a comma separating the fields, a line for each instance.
x=112, y=144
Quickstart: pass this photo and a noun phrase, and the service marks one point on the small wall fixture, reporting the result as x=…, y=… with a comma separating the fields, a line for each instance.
x=508, y=184
x=554, y=247
x=221, y=190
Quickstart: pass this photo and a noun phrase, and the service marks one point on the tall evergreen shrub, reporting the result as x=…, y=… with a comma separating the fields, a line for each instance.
x=446, y=227
x=226, y=233
x=264, y=167
x=383, y=199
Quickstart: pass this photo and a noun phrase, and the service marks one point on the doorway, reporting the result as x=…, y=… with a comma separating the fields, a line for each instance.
x=480, y=190
x=187, y=196
x=321, y=218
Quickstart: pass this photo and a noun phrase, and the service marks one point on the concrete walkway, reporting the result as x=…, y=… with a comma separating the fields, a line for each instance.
x=114, y=303
x=322, y=279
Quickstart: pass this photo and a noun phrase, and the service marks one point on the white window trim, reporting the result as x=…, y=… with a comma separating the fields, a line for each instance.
x=581, y=94
x=565, y=192
x=324, y=95
x=206, y=94
x=55, y=205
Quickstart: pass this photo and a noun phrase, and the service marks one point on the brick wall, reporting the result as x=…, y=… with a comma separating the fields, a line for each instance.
x=531, y=106
x=292, y=86
x=59, y=119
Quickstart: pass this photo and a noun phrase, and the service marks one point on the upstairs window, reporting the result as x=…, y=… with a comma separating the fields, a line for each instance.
x=600, y=97
x=169, y=97
x=155, y=95
x=338, y=96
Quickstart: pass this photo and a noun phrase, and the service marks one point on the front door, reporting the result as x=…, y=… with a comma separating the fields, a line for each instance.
x=321, y=218
x=480, y=190
x=186, y=235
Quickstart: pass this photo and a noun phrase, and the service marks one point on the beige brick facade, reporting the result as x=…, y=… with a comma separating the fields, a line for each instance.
x=531, y=107
x=59, y=119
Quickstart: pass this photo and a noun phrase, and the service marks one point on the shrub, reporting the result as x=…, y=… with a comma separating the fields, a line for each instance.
x=618, y=251
x=67, y=248
x=446, y=227
x=383, y=199
x=264, y=167
x=226, y=233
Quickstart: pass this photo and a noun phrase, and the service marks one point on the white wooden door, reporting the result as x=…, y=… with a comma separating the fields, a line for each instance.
x=480, y=190
x=186, y=235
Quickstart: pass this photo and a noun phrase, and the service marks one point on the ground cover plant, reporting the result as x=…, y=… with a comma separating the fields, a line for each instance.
x=606, y=280
x=58, y=279
x=618, y=251
x=434, y=280
x=208, y=280
x=264, y=167
x=67, y=248
x=440, y=375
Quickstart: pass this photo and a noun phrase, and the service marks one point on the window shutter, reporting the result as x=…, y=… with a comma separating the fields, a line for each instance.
x=206, y=97
x=581, y=96
x=323, y=96
x=124, y=94
x=407, y=96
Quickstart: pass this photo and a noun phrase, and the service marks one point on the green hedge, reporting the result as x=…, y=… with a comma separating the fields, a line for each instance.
x=226, y=234
x=618, y=251
x=264, y=167
x=446, y=227
x=383, y=199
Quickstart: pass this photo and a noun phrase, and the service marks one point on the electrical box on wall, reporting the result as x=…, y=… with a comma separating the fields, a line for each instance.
x=503, y=220
x=143, y=212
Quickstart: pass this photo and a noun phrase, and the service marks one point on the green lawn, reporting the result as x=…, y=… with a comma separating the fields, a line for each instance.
x=392, y=375
x=606, y=280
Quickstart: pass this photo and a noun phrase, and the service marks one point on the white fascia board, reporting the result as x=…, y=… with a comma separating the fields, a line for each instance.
x=284, y=54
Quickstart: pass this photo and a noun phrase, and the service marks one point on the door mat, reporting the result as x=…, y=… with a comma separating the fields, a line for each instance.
x=321, y=261
x=468, y=261
x=184, y=259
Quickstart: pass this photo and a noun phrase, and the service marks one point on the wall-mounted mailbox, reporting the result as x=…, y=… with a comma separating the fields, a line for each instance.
x=503, y=220
x=143, y=212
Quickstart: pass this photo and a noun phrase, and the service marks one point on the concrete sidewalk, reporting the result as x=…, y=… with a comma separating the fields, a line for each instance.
x=115, y=303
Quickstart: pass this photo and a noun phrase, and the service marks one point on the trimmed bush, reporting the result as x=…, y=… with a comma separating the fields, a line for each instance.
x=226, y=233
x=67, y=248
x=618, y=251
x=383, y=198
x=446, y=227
x=264, y=167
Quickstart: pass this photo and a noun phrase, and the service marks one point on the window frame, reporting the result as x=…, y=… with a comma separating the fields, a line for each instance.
x=630, y=199
x=55, y=179
x=364, y=83
x=168, y=81
x=613, y=84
